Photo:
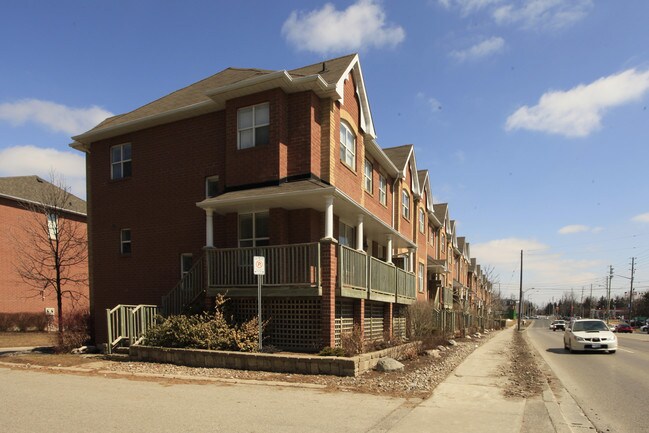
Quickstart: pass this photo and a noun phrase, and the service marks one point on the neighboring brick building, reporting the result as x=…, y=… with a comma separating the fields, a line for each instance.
x=16, y=195
x=283, y=164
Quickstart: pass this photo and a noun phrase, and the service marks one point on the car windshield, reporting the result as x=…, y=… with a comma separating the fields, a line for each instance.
x=591, y=325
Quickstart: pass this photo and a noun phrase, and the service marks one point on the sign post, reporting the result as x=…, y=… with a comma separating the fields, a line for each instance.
x=259, y=269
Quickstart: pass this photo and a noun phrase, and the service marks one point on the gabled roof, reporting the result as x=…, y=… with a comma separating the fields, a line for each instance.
x=404, y=157
x=441, y=211
x=326, y=79
x=33, y=189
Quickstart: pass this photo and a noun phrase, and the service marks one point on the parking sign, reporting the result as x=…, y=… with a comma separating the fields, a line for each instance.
x=259, y=265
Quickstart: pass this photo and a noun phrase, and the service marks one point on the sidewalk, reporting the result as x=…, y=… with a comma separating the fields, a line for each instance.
x=471, y=399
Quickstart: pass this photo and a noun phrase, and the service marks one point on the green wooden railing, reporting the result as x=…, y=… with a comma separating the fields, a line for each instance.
x=190, y=287
x=406, y=287
x=352, y=268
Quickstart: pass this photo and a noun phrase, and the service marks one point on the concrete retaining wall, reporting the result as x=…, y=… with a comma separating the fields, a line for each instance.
x=284, y=363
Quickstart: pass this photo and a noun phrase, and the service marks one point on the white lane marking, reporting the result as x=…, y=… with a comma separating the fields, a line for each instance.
x=625, y=350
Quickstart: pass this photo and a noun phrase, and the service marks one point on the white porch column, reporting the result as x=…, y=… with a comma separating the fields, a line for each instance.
x=329, y=217
x=411, y=259
x=359, y=233
x=209, y=228
x=388, y=255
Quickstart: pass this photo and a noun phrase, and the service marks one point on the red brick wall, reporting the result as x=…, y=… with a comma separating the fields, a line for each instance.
x=158, y=204
x=15, y=295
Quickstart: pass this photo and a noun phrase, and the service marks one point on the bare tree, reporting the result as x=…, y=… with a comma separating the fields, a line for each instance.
x=51, y=246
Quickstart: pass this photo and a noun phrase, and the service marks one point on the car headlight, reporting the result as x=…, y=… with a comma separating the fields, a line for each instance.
x=580, y=339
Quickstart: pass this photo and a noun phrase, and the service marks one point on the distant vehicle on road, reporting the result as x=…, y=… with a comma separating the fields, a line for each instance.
x=645, y=328
x=623, y=327
x=558, y=324
x=589, y=335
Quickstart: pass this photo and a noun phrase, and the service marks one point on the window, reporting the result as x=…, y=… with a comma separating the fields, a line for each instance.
x=125, y=241
x=253, y=229
x=383, y=190
x=346, y=235
x=120, y=161
x=186, y=262
x=347, y=146
x=253, y=126
x=52, y=226
x=422, y=271
x=422, y=221
x=405, y=204
x=367, y=177
x=211, y=186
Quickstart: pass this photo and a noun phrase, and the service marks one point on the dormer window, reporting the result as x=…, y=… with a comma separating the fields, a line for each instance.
x=253, y=125
x=347, y=146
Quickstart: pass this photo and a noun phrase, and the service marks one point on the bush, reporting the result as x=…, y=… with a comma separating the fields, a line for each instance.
x=205, y=331
x=75, y=331
x=421, y=316
x=332, y=351
x=23, y=322
x=352, y=342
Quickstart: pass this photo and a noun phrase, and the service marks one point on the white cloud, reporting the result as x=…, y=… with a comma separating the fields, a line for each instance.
x=57, y=117
x=543, y=14
x=481, y=50
x=575, y=228
x=467, y=7
x=433, y=103
x=578, y=112
x=579, y=228
x=642, y=218
x=361, y=25
x=543, y=269
x=29, y=160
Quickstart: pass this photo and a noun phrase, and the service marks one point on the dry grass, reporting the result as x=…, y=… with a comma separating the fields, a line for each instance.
x=27, y=339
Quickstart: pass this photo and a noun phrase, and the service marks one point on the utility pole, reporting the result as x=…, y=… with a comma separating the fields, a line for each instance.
x=631, y=290
x=582, y=302
x=590, y=312
x=520, y=294
x=608, y=293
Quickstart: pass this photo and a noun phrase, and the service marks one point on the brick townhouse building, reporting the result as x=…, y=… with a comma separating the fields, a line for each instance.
x=184, y=191
x=18, y=222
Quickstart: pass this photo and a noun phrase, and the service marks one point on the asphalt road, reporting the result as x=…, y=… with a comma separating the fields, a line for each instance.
x=46, y=402
x=612, y=389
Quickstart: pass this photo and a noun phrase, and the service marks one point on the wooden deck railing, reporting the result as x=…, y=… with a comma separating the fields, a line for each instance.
x=190, y=286
x=382, y=278
x=128, y=324
x=406, y=286
x=286, y=265
x=352, y=268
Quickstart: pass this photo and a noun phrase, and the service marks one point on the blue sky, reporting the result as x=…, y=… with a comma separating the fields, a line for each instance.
x=530, y=115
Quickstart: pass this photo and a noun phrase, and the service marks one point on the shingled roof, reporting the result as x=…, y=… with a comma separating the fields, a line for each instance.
x=32, y=189
x=208, y=94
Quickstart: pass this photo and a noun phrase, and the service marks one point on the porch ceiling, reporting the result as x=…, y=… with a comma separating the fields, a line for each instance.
x=303, y=194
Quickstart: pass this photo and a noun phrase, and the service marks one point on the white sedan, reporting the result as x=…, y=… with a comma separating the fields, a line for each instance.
x=589, y=335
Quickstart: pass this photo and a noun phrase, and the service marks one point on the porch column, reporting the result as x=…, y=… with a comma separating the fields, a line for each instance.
x=359, y=233
x=329, y=217
x=329, y=272
x=209, y=227
x=411, y=259
x=388, y=255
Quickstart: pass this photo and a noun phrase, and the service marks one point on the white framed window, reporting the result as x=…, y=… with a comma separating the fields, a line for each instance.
x=347, y=146
x=125, y=241
x=120, y=161
x=383, y=190
x=367, y=177
x=422, y=221
x=346, y=235
x=405, y=204
x=422, y=273
x=253, y=126
x=211, y=186
x=253, y=229
x=52, y=226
